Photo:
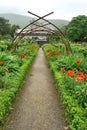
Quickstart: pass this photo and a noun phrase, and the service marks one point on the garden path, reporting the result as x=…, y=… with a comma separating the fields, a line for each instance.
x=37, y=106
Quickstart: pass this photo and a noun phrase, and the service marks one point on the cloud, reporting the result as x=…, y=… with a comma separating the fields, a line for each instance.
x=62, y=9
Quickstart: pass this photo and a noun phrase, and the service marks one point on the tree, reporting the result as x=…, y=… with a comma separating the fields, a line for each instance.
x=13, y=29
x=5, y=27
x=77, y=29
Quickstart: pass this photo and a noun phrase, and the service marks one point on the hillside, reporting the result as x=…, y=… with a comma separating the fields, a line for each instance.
x=17, y=19
x=22, y=20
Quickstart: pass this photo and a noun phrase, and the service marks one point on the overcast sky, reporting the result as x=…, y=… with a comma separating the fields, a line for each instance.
x=63, y=9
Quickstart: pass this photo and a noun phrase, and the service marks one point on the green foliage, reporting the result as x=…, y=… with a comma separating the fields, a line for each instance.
x=13, y=29
x=53, y=39
x=73, y=92
x=76, y=29
x=5, y=37
x=5, y=27
x=14, y=65
x=74, y=113
x=5, y=45
x=6, y=30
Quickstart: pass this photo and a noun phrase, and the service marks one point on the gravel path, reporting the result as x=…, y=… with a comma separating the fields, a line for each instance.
x=37, y=106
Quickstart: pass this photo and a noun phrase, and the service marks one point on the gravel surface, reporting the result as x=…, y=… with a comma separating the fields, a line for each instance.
x=37, y=106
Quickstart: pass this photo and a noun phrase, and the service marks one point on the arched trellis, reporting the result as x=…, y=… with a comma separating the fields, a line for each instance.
x=65, y=40
x=47, y=29
x=30, y=25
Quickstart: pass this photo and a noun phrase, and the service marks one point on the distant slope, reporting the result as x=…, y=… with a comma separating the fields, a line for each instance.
x=59, y=22
x=22, y=20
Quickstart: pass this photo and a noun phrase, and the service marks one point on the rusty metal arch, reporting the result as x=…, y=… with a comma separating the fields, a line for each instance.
x=65, y=40
x=49, y=30
x=31, y=24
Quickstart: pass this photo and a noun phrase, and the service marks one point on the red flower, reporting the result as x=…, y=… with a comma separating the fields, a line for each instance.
x=80, y=74
x=79, y=79
x=5, y=70
x=62, y=69
x=57, y=53
x=78, y=62
x=22, y=55
x=49, y=54
x=1, y=63
x=70, y=73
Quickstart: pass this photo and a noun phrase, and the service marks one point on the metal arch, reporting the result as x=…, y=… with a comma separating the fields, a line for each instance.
x=43, y=26
x=47, y=28
x=34, y=29
x=67, y=44
x=65, y=40
x=48, y=22
x=31, y=24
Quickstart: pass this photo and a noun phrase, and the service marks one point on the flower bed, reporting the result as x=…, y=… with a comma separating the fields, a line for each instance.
x=14, y=64
x=70, y=75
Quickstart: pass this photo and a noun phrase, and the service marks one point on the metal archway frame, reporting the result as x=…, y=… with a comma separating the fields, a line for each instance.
x=31, y=24
x=53, y=32
x=65, y=40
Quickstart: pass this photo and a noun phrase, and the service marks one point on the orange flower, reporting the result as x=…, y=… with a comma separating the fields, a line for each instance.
x=49, y=54
x=1, y=63
x=5, y=70
x=22, y=55
x=79, y=79
x=57, y=53
x=80, y=74
x=78, y=62
x=70, y=73
x=62, y=69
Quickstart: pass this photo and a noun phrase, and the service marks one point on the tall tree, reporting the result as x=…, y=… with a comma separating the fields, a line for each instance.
x=5, y=27
x=13, y=29
x=77, y=29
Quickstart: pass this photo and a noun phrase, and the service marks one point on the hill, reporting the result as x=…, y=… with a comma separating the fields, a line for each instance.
x=22, y=20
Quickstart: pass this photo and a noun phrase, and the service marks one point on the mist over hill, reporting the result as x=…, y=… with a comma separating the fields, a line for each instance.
x=23, y=20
